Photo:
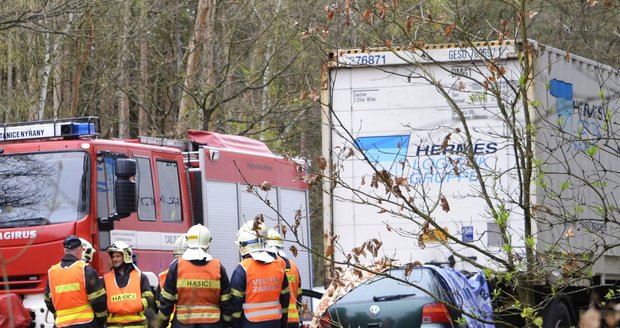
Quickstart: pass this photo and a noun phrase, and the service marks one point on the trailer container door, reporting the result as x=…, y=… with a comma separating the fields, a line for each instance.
x=221, y=212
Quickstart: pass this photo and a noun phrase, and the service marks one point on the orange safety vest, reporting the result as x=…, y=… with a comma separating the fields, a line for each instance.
x=69, y=295
x=162, y=278
x=292, y=274
x=262, y=290
x=199, y=292
x=124, y=304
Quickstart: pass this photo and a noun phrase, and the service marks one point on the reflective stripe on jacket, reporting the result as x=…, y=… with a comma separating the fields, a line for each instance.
x=263, y=287
x=69, y=296
x=125, y=304
x=199, y=291
x=292, y=274
x=162, y=278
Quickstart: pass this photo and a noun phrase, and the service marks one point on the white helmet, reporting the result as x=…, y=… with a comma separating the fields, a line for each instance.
x=198, y=241
x=89, y=251
x=251, y=240
x=275, y=243
x=180, y=245
x=122, y=247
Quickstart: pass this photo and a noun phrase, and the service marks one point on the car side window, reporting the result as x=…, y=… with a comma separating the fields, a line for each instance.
x=146, y=196
x=169, y=191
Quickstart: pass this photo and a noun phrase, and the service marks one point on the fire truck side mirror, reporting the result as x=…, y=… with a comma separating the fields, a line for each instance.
x=125, y=194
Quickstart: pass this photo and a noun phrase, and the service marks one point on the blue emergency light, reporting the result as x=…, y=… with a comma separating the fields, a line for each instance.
x=77, y=129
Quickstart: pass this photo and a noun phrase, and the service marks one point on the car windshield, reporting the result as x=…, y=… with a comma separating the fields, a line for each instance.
x=43, y=188
x=384, y=288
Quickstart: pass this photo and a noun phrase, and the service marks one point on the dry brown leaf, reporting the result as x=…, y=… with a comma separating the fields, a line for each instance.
x=363, y=180
x=265, y=186
x=321, y=163
x=381, y=9
x=350, y=152
x=297, y=223
x=455, y=164
x=426, y=227
x=444, y=203
x=258, y=224
x=294, y=250
x=409, y=24
x=408, y=269
x=607, y=4
x=567, y=57
x=448, y=30
x=591, y=3
x=421, y=241
x=457, y=130
x=329, y=251
x=367, y=16
x=329, y=12
x=283, y=230
x=249, y=188
x=446, y=141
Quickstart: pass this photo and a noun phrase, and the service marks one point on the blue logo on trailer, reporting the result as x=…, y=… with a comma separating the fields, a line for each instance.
x=563, y=92
x=385, y=152
x=467, y=234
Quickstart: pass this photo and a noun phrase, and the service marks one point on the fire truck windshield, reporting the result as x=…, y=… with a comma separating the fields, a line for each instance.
x=43, y=188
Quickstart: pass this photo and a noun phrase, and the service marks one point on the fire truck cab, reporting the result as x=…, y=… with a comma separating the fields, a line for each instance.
x=58, y=178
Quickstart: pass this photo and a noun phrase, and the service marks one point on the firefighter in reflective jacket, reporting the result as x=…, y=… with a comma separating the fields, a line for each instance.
x=260, y=293
x=180, y=246
x=128, y=289
x=198, y=285
x=275, y=246
x=74, y=293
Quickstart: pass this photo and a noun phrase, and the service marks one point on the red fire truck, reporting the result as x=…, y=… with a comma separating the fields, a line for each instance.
x=58, y=178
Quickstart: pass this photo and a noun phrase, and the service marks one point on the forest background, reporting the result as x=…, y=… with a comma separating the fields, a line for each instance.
x=249, y=68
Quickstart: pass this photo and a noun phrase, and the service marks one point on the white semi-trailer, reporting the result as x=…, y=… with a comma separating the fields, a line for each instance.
x=427, y=149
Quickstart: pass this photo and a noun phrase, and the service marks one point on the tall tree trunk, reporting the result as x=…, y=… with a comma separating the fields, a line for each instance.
x=45, y=74
x=57, y=94
x=211, y=64
x=123, y=98
x=82, y=50
x=186, y=109
x=9, y=80
x=265, y=100
x=143, y=116
x=58, y=69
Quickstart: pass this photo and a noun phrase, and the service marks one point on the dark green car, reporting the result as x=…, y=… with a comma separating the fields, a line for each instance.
x=387, y=303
